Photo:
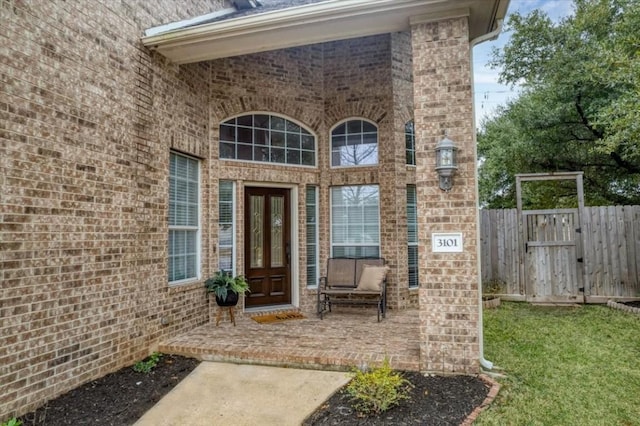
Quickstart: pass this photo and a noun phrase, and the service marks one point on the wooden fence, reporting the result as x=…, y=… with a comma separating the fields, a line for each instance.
x=610, y=241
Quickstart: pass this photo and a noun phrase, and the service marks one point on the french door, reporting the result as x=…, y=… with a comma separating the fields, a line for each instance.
x=267, y=232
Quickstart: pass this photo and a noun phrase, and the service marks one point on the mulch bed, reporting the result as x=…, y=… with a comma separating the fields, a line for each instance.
x=634, y=304
x=121, y=398
x=434, y=400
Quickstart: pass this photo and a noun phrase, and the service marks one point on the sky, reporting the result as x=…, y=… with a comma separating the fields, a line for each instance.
x=489, y=94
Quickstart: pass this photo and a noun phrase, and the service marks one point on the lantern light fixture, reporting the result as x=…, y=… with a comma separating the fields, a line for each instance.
x=446, y=162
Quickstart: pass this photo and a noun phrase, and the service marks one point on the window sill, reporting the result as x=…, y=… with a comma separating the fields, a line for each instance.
x=185, y=284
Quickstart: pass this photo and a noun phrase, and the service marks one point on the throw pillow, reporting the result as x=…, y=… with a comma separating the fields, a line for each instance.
x=372, y=277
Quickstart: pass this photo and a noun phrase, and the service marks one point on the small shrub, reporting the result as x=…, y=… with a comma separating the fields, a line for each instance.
x=376, y=391
x=493, y=287
x=148, y=365
x=12, y=422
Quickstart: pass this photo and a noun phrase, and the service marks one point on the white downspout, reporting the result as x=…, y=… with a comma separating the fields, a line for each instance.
x=486, y=364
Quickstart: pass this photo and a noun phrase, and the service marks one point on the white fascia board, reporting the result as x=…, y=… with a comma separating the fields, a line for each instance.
x=310, y=24
x=315, y=23
x=291, y=16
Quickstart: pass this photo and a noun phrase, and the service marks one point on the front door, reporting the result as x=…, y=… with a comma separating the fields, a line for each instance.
x=267, y=246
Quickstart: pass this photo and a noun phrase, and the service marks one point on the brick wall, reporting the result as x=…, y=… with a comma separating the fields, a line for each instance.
x=402, y=80
x=358, y=84
x=286, y=82
x=89, y=118
x=449, y=307
x=87, y=121
x=319, y=86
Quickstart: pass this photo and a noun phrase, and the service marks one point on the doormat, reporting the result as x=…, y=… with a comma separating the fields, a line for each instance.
x=279, y=317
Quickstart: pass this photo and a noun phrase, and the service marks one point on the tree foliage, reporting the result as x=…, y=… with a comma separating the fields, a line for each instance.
x=579, y=110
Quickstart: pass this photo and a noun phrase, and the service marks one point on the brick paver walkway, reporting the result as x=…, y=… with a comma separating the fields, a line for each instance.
x=344, y=339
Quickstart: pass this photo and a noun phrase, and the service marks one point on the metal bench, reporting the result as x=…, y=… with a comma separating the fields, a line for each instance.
x=351, y=281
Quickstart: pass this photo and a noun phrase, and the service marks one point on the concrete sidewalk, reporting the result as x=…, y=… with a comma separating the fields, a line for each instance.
x=236, y=395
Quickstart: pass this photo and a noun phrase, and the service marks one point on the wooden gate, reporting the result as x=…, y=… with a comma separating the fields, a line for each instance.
x=551, y=264
x=551, y=255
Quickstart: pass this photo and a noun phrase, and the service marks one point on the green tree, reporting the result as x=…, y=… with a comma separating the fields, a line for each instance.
x=579, y=110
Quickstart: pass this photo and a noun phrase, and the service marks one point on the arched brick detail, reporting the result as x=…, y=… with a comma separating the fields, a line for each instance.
x=338, y=113
x=405, y=114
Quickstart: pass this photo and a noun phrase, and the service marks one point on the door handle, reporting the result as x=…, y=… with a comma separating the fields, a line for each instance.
x=288, y=253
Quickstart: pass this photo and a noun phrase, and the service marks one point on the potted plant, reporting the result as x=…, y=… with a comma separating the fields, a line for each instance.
x=226, y=287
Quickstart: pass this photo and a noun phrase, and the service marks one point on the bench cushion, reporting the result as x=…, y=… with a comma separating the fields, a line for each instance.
x=372, y=277
x=340, y=273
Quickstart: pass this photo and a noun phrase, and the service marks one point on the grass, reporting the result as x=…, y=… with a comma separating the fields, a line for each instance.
x=563, y=365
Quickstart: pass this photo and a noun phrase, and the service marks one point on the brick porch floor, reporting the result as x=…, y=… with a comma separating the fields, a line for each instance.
x=345, y=338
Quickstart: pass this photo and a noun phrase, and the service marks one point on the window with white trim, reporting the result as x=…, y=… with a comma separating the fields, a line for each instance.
x=410, y=142
x=226, y=226
x=184, y=218
x=355, y=221
x=354, y=143
x=312, y=235
x=268, y=139
x=412, y=235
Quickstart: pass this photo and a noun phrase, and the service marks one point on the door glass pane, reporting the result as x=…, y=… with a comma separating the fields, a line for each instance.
x=277, y=222
x=257, y=235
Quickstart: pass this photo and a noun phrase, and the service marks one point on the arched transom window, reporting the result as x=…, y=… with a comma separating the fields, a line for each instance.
x=267, y=138
x=354, y=143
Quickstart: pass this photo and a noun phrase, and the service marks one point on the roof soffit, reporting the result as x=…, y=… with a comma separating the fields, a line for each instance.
x=316, y=23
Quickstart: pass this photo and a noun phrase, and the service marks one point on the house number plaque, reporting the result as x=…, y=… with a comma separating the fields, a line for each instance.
x=446, y=243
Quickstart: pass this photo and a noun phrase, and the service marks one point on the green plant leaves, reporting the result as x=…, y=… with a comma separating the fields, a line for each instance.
x=377, y=390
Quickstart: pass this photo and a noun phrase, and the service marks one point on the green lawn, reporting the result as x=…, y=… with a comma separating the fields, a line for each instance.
x=563, y=365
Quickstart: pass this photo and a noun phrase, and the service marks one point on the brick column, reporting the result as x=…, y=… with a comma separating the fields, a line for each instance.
x=448, y=298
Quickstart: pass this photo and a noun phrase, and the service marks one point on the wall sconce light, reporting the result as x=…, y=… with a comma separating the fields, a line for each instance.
x=446, y=162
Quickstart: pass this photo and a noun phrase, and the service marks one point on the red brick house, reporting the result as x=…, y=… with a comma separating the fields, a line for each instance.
x=145, y=145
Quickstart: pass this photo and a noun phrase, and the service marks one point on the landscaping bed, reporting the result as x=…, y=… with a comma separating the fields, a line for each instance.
x=121, y=398
x=433, y=400
x=630, y=306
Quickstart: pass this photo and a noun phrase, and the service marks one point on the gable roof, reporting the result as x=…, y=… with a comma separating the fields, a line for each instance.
x=278, y=24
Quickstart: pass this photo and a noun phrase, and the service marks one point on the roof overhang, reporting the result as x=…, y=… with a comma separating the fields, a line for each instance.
x=315, y=23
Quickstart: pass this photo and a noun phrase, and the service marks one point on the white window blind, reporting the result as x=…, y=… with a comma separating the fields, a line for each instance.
x=312, y=235
x=355, y=221
x=184, y=212
x=412, y=235
x=226, y=226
